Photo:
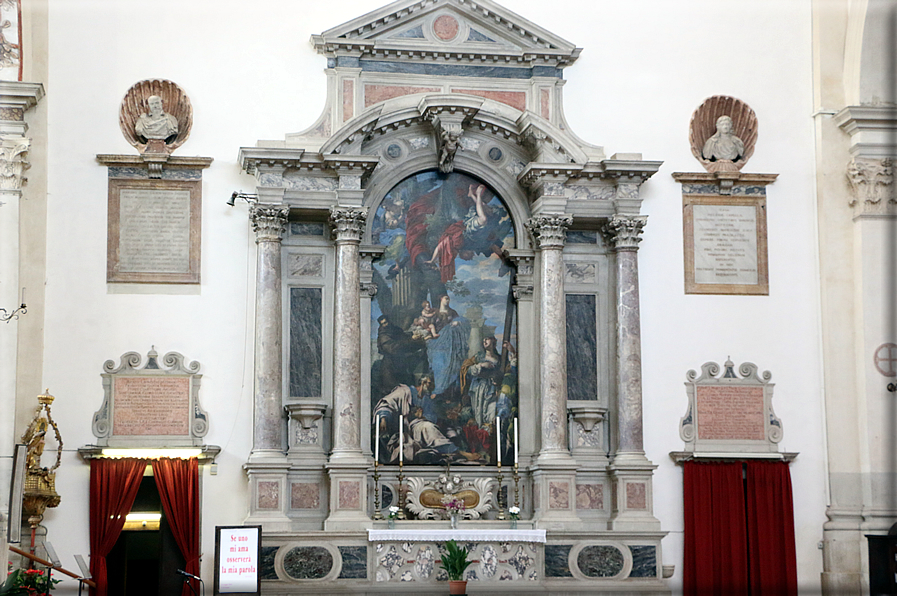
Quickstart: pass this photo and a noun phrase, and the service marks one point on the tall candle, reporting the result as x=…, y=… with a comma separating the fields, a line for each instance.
x=498, y=438
x=376, y=438
x=401, y=438
x=516, y=441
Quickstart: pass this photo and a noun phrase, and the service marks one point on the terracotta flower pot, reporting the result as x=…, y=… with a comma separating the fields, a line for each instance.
x=457, y=587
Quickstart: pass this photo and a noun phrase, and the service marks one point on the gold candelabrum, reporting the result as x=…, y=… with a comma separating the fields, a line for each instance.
x=501, y=509
x=377, y=514
x=401, y=489
x=40, y=483
x=516, y=487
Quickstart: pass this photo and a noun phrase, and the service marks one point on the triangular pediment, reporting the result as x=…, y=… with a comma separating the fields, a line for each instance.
x=454, y=30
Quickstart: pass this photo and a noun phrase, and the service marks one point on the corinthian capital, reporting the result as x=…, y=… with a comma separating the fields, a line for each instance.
x=871, y=180
x=623, y=232
x=347, y=223
x=13, y=163
x=268, y=221
x=549, y=231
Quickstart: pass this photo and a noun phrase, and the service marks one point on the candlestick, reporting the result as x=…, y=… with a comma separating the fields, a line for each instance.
x=501, y=510
x=498, y=439
x=401, y=439
x=377, y=515
x=516, y=443
x=401, y=495
x=516, y=488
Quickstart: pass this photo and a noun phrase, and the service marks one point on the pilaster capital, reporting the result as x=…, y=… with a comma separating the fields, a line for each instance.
x=549, y=231
x=13, y=162
x=368, y=288
x=623, y=232
x=870, y=180
x=268, y=221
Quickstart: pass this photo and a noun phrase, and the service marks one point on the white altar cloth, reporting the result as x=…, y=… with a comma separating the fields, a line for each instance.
x=471, y=535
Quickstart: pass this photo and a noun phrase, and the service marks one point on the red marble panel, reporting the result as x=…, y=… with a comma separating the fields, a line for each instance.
x=305, y=495
x=728, y=412
x=446, y=27
x=589, y=496
x=515, y=99
x=349, y=495
x=269, y=495
x=636, y=495
x=545, y=103
x=348, y=99
x=377, y=93
x=558, y=495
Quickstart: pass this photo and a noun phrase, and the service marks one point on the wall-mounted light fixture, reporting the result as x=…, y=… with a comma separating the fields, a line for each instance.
x=239, y=194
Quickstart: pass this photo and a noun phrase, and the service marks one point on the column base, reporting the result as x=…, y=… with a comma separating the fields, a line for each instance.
x=632, y=494
x=268, y=489
x=554, y=491
x=348, y=493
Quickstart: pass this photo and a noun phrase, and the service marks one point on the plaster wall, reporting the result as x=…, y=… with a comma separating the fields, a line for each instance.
x=251, y=74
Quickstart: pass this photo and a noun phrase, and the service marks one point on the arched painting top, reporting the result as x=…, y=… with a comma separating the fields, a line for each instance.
x=445, y=366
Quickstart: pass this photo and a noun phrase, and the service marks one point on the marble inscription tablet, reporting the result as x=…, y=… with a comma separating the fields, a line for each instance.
x=725, y=245
x=728, y=412
x=151, y=406
x=154, y=231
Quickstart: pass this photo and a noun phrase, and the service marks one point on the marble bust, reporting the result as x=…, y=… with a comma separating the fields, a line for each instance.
x=723, y=145
x=157, y=124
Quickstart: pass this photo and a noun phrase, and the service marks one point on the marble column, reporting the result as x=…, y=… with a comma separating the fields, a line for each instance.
x=554, y=472
x=549, y=235
x=348, y=227
x=624, y=235
x=268, y=222
x=348, y=467
x=631, y=472
x=268, y=466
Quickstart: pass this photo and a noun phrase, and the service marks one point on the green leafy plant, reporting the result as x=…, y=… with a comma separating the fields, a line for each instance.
x=454, y=561
x=26, y=582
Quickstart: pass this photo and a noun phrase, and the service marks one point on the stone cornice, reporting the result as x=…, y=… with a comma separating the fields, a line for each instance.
x=871, y=130
x=367, y=36
x=255, y=159
x=20, y=94
x=196, y=163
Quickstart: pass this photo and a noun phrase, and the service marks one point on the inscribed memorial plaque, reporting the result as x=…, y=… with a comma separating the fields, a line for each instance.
x=154, y=231
x=151, y=406
x=728, y=412
x=725, y=245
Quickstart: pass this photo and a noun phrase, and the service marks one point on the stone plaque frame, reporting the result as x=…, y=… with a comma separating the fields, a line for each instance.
x=760, y=259
x=114, y=274
x=172, y=367
x=767, y=431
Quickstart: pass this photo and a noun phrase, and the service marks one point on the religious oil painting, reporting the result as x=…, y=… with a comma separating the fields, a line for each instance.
x=443, y=330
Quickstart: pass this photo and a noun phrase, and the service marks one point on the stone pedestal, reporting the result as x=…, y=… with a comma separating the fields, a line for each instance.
x=307, y=483
x=347, y=466
x=268, y=466
x=554, y=474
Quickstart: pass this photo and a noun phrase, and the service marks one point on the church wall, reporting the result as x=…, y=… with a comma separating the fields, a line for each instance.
x=251, y=74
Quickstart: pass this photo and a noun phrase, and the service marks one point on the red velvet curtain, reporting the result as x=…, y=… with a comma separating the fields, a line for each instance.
x=770, y=526
x=716, y=554
x=178, y=484
x=113, y=488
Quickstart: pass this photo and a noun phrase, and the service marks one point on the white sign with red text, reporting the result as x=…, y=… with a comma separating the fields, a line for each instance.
x=238, y=560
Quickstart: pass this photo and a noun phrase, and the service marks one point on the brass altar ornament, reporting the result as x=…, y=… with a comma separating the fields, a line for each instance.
x=40, y=483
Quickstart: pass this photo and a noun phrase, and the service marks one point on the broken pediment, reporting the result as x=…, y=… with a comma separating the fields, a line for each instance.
x=447, y=31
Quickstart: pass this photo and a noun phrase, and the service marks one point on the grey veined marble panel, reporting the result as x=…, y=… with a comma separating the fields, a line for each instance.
x=644, y=561
x=308, y=562
x=355, y=562
x=582, y=350
x=305, y=342
x=600, y=561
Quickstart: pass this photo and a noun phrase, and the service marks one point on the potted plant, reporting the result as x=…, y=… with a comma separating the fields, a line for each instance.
x=26, y=582
x=455, y=563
